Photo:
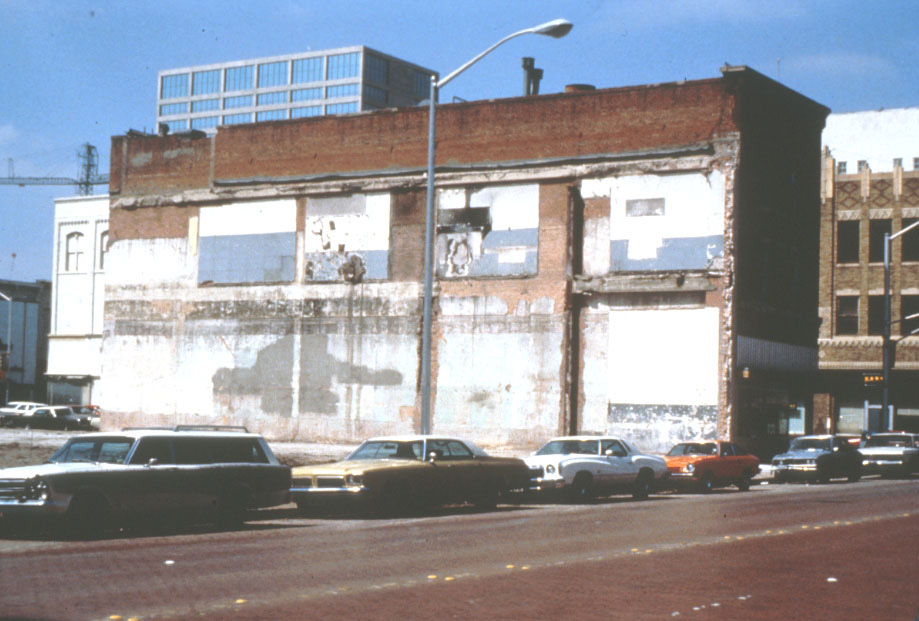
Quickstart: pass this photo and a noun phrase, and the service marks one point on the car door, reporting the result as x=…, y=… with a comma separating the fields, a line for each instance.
x=617, y=469
x=451, y=472
x=727, y=466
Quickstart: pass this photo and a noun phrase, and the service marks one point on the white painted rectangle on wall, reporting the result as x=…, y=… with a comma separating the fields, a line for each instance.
x=664, y=357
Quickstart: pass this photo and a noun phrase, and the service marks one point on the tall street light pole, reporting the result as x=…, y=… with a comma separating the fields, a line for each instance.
x=886, y=418
x=9, y=344
x=556, y=28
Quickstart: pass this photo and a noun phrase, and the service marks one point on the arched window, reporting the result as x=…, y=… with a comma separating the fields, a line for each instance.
x=74, y=252
x=103, y=250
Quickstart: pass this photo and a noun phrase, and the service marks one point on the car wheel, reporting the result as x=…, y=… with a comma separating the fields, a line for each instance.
x=706, y=483
x=87, y=516
x=643, y=484
x=745, y=481
x=823, y=475
x=582, y=489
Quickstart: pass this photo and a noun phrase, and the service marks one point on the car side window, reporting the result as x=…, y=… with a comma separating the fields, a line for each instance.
x=191, y=451
x=241, y=450
x=159, y=449
x=612, y=445
x=458, y=450
x=727, y=450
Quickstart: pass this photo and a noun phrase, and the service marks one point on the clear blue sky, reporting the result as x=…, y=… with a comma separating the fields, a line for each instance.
x=78, y=71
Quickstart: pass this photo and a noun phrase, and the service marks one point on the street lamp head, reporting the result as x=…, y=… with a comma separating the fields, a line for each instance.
x=557, y=28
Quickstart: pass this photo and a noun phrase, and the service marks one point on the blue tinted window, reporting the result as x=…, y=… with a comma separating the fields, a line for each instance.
x=299, y=113
x=205, y=82
x=306, y=94
x=344, y=66
x=307, y=70
x=207, y=122
x=378, y=95
x=271, y=115
x=377, y=69
x=241, y=101
x=205, y=105
x=272, y=74
x=177, y=126
x=238, y=79
x=266, y=99
x=174, y=86
x=342, y=108
x=421, y=85
x=170, y=109
x=341, y=90
x=236, y=119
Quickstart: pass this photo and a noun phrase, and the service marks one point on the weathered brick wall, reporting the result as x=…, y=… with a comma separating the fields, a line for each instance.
x=561, y=125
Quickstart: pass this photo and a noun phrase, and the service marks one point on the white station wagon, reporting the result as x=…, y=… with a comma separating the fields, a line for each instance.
x=186, y=473
x=587, y=466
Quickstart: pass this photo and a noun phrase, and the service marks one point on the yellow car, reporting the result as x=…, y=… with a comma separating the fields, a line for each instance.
x=400, y=473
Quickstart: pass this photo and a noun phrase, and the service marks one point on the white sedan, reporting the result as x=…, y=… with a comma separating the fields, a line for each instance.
x=588, y=466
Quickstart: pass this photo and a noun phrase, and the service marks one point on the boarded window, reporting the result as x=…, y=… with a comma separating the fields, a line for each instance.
x=491, y=231
x=909, y=241
x=247, y=243
x=644, y=207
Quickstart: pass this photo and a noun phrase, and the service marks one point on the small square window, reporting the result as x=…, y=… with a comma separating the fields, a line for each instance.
x=898, y=162
x=862, y=165
x=916, y=163
x=840, y=168
x=644, y=207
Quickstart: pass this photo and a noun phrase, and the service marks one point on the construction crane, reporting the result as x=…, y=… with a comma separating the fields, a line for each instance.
x=89, y=174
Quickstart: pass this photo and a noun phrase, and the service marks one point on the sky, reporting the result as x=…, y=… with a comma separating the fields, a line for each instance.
x=82, y=71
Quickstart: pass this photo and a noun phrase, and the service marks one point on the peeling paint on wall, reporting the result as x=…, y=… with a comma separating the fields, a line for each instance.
x=657, y=428
x=493, y=231
x=347, y=230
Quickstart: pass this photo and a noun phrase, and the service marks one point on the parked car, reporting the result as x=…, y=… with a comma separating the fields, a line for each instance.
x=705, y=465
x=818, y=458
x=15, y=410
x=186, y=473
x=397, y=473
x=586, y=466
x=53, y=417
x=93, y=412
x=890, y=454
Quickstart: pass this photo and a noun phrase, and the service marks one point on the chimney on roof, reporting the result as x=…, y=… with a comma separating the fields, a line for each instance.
x=531, y=77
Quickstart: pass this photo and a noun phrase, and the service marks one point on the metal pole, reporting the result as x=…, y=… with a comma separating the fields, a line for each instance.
x=557, y=28
x=885, y=343
x=428, y=269
x=9, y=345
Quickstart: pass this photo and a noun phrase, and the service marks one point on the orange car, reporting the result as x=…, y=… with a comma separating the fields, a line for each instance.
x=707, y=464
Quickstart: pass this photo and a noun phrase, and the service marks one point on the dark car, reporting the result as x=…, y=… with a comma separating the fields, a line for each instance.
x=818, y=458
x=96, y=480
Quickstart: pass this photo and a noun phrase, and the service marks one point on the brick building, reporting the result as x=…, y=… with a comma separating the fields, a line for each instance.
x=636, y=260
x=870, y=187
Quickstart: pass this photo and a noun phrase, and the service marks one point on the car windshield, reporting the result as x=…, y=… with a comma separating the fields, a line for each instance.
x=888, y=441
x=694, y=448
x=810, y=444
x=569, y=447
x=109, y=450
x=388, y=449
